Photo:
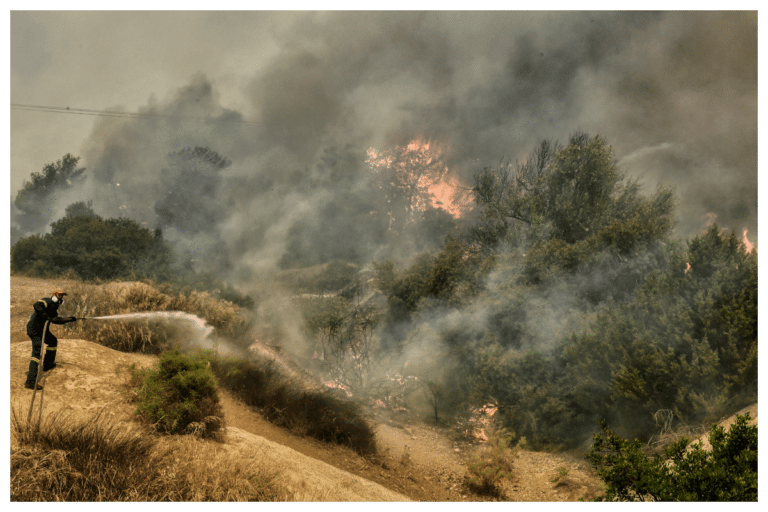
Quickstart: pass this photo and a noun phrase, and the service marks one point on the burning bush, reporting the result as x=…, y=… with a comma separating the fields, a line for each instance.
x=492, y=465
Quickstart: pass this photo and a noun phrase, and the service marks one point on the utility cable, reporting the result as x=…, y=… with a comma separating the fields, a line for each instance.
x=112, y=113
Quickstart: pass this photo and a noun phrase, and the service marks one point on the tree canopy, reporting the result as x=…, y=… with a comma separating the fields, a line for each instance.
x=31, y=198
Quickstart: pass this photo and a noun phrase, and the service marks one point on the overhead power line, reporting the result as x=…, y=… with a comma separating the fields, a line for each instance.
x=114, y=113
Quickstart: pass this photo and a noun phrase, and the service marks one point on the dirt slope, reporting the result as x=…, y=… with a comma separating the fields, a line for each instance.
x=88, y=379
x=418, y=461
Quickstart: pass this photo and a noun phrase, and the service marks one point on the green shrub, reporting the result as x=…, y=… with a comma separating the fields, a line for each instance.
x=727, y=472
x=179, y=395
x=291, y=401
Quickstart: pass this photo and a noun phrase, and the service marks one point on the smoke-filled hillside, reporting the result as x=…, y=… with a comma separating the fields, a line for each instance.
x=499, y=203
x=674, y=93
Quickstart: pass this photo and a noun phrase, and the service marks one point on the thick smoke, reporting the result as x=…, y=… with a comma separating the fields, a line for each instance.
x=674, y=94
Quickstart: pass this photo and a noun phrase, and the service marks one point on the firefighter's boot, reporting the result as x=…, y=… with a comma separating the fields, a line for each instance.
x=32, y=373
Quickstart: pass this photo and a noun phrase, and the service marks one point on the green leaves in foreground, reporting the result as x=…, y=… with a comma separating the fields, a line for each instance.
x=727, y=472
x=179, y=395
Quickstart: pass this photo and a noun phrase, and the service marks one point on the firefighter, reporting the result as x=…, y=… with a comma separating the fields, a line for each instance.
x=46, y=309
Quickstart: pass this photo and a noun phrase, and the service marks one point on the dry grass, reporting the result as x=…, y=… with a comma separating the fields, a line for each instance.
x=491, y=464
x=228, y=320
x=65, y=459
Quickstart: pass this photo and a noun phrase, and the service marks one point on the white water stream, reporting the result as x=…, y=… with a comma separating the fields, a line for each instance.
x=203, y=327
x=199, y=330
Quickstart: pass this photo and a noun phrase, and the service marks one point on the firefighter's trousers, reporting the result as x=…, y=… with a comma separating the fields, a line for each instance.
x=51, y=342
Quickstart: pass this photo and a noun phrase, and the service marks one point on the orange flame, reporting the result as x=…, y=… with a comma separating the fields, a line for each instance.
x=420, y=163
x=749, y=246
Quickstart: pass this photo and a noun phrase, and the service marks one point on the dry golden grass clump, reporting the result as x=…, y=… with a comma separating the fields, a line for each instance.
x=65, y=459
x=147, y=336
x=492, y=463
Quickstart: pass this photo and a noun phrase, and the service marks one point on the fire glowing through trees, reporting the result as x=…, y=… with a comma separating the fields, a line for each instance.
x=415, y=178
x=747, y=244
x=711, y=218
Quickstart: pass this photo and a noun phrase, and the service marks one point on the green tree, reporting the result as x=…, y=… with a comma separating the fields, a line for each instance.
x=94, y=248
x=403, y=176
x=505, y=200
x=567, y=194
x=32, y=198
x=80, y=209
x=727, y=472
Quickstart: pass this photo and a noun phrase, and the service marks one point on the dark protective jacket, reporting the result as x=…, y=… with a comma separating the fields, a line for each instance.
x=45, y=309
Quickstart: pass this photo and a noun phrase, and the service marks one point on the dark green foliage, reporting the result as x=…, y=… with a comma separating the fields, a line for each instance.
x=94, y=248
x=30, y=255
x=178, y=392
x=577, y=307
x=80, y=209
x=295, y=403
x=449, y=278
x=572, y=212
x=727, y=472
x=32, y=199
x=686, y=343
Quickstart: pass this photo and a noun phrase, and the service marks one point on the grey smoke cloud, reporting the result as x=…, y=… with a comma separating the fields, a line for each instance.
x=675, y=94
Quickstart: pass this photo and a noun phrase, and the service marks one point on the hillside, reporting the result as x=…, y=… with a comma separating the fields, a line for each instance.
x=418, y=461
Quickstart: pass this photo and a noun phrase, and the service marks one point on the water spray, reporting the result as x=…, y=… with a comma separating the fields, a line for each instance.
x=198, y=322
x=203, y=329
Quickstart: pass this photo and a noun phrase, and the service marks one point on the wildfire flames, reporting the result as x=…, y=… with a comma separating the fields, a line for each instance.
x=711, y=218
x=418, y=172
x=747, y=244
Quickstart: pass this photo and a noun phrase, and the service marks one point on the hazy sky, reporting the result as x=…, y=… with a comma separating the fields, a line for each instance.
x=675, y=94
x=108, y=60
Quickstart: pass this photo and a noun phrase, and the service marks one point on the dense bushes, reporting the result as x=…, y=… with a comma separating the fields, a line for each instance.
x=286, y=399
x=685, y=343
x=727, y=472
x=566, y=303
x=178, y=395
x=84, y=245
x=93, y=248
